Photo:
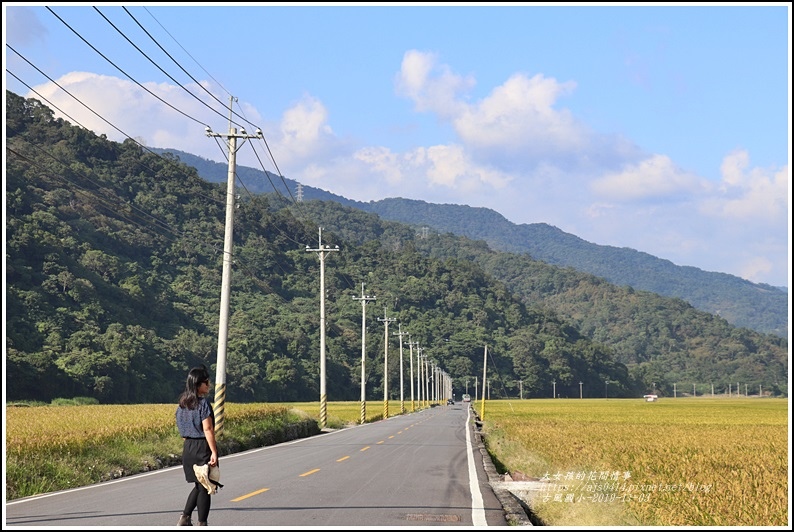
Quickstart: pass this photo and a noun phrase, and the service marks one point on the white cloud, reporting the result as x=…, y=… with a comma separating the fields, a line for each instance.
x=304, y=130
x=382, y=162
x=758, y=195
x=655, y=178
x=437, y=94
x=119, y=108
x=520, y=114
x=517, y=126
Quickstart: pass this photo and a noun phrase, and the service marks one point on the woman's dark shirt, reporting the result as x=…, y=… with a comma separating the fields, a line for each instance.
x=189, y=422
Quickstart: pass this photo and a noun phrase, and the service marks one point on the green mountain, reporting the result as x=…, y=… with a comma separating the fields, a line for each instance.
x=760, y=307
x=114, y=256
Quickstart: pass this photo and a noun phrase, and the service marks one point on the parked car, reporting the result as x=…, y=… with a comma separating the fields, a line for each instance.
x=450, y=401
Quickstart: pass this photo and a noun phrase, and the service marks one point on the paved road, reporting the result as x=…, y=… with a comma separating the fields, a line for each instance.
x=420, y=469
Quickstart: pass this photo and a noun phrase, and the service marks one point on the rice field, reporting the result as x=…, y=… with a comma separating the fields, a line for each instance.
x=622, y=462
x=687, y=461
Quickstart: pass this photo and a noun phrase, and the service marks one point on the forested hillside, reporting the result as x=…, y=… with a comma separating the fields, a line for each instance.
x=760, y=307
x=113, y=274
x=661, y=340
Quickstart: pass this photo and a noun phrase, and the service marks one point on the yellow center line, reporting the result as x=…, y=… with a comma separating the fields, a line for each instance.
x=257, y=492
x=343, y=458
x=379, y=442
x=392, y=436
x=365, y=448
x=307, y=473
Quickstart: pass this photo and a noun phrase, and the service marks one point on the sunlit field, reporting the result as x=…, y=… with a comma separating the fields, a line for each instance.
x=687, y=461
x=72, y=428
x=50, y=448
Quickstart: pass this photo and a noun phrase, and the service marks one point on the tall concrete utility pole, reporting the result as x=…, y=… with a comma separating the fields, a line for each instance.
x=386, y=322
x=226, y=279
x=419, y=358
x=402, y=395
x=427, y=381
x=322, y=252
x=364, y=299
x=484, y=381
x=411, y=357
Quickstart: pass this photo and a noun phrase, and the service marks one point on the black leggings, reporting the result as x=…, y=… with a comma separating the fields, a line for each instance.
x=198, y=499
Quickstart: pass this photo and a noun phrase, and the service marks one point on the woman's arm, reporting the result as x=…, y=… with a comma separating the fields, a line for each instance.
x=209, y=433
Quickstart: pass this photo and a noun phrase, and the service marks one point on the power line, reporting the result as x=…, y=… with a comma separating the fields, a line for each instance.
x=160, y=99
x=188, y=53
x=158, y=66
x=84, y=105
x=198, y=83
x=122, y=70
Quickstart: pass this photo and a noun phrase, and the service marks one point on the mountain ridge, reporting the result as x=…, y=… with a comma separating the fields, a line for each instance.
x=757, y=306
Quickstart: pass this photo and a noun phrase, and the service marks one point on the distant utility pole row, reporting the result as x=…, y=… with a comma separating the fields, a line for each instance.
x=441, y=382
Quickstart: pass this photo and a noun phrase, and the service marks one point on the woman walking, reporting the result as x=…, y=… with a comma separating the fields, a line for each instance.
x=196, y=423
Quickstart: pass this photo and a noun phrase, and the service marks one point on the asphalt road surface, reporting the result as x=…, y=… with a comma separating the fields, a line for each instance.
x=420, y=469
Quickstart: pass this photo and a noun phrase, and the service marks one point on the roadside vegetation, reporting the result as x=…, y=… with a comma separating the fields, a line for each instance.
x=687, y=461
x=51, y=448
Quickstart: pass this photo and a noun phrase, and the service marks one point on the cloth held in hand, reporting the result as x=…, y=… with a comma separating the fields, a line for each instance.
x=209, y=477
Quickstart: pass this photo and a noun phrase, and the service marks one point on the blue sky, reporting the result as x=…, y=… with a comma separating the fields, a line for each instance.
x=662, y=128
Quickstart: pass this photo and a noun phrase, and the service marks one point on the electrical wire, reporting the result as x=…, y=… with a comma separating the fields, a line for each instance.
x=158, y=66
x=122, y=70
x=267, y=147
x=84, y=105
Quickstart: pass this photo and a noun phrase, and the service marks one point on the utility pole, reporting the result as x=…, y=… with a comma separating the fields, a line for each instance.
x=580, y=389
x=419, y=374
x=484, y=382
x=436, y=375
x=402, y=397
x=554, y=389
x=364, y=299
x=228, y=242
x=386, y=322
x=411, y=358
x=322, y=252
x=426, y=382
